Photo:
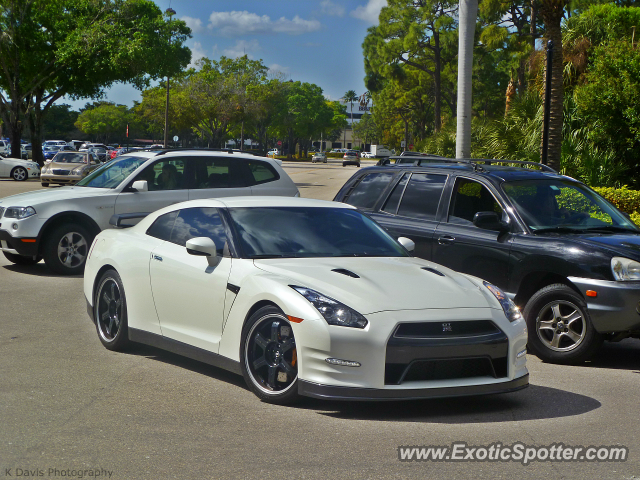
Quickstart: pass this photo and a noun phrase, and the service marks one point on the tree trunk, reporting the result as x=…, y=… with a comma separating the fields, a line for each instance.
x=468, y=15
x=552, y=13
x=437, y=82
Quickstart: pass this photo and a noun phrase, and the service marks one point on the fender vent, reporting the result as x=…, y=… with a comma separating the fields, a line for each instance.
x=433, y=270
x=346, y=272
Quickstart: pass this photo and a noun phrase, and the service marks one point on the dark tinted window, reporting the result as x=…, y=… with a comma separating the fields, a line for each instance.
x=470, y=197
x=199, y=222
x=219, y=172
x=163, y=225
x=394, y=199
x=367, y=192
x=311, y=232
x=422, y=196
x=262, y=172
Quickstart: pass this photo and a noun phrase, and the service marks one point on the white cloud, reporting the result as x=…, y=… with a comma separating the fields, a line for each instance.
x=369, y=12
x=195, y=24
x=279, y=68
x=332, y=9
x=197, y=52
x=241, y=23
x=241, y=48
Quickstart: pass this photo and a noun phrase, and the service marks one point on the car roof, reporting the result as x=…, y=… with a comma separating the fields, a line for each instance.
x=260, y=201
x=198, y=153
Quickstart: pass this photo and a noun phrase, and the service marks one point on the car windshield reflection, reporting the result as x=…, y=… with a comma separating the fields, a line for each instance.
x=112, y=174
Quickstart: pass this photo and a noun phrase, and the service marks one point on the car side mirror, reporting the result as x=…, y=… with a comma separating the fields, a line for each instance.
x=407, y=243
x=490, y=221
x=205, y=247
x=140, y=186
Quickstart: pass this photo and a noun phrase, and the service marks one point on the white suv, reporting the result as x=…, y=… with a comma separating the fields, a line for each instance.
x=60, y=224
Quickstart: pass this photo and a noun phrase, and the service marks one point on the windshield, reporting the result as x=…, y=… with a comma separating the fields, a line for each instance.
x=112, y=174
x=52, y=148
x=69, y=158
x=552, y=205
x=271, y=232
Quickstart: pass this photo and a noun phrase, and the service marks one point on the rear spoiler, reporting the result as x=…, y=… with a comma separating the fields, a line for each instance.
x=120, y=220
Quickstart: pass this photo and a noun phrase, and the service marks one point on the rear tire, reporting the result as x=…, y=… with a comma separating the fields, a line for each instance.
x=560, y=328
x=110, y=312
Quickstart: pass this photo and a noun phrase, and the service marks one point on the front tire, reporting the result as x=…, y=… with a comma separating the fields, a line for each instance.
x=560, y=328
x=268, y=357
x=45, y=184
x=110, y=312
x=66, y=248
x=19, y=174
x=21, y=259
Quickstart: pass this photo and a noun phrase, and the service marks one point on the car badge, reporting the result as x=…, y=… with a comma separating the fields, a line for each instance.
x=446, y=327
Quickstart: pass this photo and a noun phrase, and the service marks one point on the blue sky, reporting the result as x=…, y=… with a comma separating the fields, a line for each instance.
x=315, y=41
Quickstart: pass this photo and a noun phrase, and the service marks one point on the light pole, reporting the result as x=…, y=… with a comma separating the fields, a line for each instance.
x=170, y=12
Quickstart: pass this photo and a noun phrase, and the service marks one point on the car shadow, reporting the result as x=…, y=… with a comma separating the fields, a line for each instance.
x=179, y=361
x=38, y=270
x=623, y=355
x=533, y=403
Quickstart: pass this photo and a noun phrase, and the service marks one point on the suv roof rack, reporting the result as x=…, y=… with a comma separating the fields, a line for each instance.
x=476, y=163
x=162, y=151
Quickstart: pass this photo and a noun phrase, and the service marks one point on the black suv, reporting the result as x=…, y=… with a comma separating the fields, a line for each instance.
x=564, y=254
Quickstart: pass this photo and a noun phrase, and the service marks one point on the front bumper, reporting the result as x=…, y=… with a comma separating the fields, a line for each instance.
x=17, y=245
x=616, y=308
x=327, y=392
x=61, y=179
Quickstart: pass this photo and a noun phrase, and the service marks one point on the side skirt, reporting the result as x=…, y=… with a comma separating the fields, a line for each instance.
x=174, y=346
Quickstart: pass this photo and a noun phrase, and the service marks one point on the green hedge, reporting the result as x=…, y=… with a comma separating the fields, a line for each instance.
x=626, y=200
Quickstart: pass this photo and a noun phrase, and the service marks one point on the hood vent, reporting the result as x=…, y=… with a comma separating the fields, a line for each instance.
x=346, y=272
x=433, y=270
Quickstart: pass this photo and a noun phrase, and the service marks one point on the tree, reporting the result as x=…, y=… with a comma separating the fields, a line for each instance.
x=105, y=121
x=416, y=33
x=350, y=96
x=366, y=129
x=78, y=48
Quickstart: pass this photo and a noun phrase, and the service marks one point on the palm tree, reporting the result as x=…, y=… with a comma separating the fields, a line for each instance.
x=552, y=12
x=350, y=97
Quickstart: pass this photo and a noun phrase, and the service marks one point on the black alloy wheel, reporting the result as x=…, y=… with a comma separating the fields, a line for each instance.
x=269, y=356
x=110, y=311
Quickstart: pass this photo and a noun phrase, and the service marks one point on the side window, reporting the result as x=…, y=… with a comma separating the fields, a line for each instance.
x=199, y=222
x=391, y=206
x=422, y=196
x=470, y=197
x=366, y=193
x=165, y=175
x=218, y=172
x=163, y=225
x=262, y=172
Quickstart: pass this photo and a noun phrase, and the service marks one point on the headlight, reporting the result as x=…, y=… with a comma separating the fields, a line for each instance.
x=334, y=312
x=511, y=310
x=625, y=269
x=77, y=170
x=19, y=212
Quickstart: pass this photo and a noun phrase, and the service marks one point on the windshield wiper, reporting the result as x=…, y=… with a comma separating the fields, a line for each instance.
x=610, y=228
x=259, y=257
x=559, y=229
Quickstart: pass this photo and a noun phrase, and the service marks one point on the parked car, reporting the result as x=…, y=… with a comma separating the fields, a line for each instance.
x=303, y=298
x=59, y=224
x=68, y=168
x=351, y=157
x=51, y=143
x=51, y=151
x=100, y=152
x=319, y=157
x=18, y=169
x=26, y=151
x=5, y=148
x=564, y=254
x=273, y=151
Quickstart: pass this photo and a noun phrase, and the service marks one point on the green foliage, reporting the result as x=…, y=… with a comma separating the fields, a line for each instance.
x=59, y=122
x=104, y=121
x=623, y=198
x=602, y=24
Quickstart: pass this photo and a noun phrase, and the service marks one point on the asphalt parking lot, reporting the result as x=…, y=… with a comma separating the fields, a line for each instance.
x=71, y=409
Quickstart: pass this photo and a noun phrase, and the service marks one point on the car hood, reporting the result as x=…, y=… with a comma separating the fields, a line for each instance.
x=38, y=197
x=627, y=244
x=66, y=166
x=384, y=283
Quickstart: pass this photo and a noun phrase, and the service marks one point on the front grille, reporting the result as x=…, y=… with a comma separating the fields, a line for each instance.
x=445, y=329
x=57, y=171
x=446, y=351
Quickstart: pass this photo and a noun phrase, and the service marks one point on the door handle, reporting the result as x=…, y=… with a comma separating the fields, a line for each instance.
x=156, y=257
x=446, y=239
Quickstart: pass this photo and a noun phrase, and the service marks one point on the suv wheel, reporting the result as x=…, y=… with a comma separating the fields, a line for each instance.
x=560, y=329
x=19, y=174
x=66, y=248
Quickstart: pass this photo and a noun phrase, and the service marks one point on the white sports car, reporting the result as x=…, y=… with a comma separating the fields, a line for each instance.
x=302, y=297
